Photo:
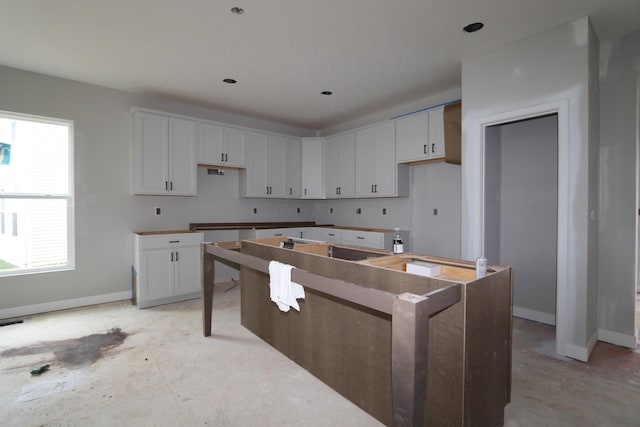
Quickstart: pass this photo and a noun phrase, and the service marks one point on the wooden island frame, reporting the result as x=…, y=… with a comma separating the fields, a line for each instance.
x=410, y=350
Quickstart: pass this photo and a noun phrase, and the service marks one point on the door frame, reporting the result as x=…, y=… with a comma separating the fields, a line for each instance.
x=561, y=109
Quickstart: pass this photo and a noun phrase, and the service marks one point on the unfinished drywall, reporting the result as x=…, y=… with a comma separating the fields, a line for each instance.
x=550, y=68
x=435, y=209
x=619, y=71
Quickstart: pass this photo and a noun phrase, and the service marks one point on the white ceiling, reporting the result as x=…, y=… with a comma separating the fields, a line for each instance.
x=371, y=53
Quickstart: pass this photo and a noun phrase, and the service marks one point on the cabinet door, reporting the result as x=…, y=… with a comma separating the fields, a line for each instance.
x=182, y=159
x=385, y=165
x=332, y=167
x=234, y=147
x=365, y=162
x=186, y=264
x=412, y=138
x=294, y=168
x=313, y=168
x=376, y=161
x=256, y=175
x=156, y=273
x=436, y=133
x=340, y=166
x=152, y=152
x=347, y=184
x=278, y=167
x=211, y=151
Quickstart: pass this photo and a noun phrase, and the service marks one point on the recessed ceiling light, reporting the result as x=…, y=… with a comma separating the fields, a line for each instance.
x=230, y=81
x=237, y=10
x=472, y=28
x=326, y=92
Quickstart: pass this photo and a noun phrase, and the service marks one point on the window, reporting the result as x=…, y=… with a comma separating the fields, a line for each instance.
x=36, y=194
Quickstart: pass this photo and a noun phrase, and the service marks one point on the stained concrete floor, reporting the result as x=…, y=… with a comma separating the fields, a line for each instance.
x=113, y=364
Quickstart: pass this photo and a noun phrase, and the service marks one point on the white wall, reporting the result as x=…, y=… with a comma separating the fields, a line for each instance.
x=619, y=68
x=551, y=67
x=106, y=212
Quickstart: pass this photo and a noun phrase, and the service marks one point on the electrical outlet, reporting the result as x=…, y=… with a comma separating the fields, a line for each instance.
x=157, y=211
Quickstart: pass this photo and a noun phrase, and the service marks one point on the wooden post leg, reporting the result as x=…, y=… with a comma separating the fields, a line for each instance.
x=409, y=358
x=208, y=270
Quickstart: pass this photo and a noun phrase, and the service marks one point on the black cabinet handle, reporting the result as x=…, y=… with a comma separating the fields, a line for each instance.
x=305, y=191
x=222, y=157
x=176, y=256
x=290, y=191
x=332, y=235
x=174, y=241
x=226, y=157
x=360, y=237
x=166, y=185
x=424, y=149
x=171, y=256
x=433, y=148
x=171, y=185
x=278, y=234
x=267, y=189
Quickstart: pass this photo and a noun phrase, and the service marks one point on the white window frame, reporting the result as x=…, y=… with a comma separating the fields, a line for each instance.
x=70, y=197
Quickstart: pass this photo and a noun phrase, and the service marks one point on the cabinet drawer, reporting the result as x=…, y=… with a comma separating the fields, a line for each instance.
x=170, y=240
x=363, y=238
x=331, y=235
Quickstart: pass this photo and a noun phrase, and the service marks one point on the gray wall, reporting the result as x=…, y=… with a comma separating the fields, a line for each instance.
x=548, y=68
x=106, y=213
x=620, y=65
x=433, y=186
x=525, y=187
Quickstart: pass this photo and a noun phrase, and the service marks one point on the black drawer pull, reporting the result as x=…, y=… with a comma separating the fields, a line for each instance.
x=174, y=241
x=360, y=237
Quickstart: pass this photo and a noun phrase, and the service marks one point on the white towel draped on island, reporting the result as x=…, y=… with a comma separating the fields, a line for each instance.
x=282, y=290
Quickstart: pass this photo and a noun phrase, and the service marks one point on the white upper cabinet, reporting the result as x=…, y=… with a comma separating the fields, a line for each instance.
x=340, y=166
x=313, y=168
x=221, y=146
x=294, y=169
x=420, y=136
x=266, y=174
x=165, y=148
x=377, y=174
x=436, y=133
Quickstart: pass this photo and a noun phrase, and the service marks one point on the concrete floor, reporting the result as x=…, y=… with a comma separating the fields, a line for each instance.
x=113, y=364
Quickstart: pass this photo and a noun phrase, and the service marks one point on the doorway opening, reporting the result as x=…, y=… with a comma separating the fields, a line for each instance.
x=521, y=210
x=556, y=113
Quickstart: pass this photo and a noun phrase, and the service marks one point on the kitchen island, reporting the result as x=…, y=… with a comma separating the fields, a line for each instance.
x=408, y=349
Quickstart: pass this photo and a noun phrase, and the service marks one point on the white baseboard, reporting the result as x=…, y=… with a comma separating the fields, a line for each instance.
x=577, y=352
x=617, y=338
x=26, y=310
x=536, y=316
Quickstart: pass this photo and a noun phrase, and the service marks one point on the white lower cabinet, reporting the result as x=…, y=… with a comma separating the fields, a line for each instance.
x=331, y=235
x=168, y=267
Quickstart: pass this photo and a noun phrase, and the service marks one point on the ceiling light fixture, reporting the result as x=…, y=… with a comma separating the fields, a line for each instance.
x=230, y=81
x=472, y=28
x=237, y=10
x=326, y=92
